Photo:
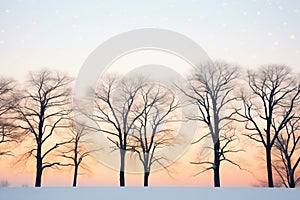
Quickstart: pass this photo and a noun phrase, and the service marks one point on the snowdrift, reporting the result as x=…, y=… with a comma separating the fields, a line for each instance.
x=50, y=193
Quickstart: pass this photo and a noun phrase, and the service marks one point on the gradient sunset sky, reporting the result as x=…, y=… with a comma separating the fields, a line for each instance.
x=61, y=34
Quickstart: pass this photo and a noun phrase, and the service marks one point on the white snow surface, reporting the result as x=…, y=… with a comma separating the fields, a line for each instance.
x=153, y=193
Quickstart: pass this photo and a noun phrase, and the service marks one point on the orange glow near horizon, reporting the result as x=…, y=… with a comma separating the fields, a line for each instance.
x=180, y=173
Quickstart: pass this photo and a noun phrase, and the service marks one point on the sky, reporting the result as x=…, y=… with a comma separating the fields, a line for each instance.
x=62, y=34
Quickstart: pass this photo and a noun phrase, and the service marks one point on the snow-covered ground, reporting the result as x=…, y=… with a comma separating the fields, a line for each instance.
x=197, y=193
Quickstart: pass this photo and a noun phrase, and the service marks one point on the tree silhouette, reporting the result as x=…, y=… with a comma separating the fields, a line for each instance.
x=151, y=132
x=7, y=102
x=115, y=112
x=42, y=112
x=210, y=89
x=4, y=183
x=287, y=152
x=74, y=150
x=269, y=107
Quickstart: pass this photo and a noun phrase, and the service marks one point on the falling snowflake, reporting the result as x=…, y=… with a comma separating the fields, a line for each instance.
x=292, y=36
x=224, y=4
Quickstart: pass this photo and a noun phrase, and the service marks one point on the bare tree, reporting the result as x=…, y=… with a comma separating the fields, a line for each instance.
x=7, y=102
x=4, y=183
x=210, y=89
x=8, y=135
x=287, y=148
x=269, y=107
x=42, y=113
x=151, y=129
x=115, y=102
x=75, y=150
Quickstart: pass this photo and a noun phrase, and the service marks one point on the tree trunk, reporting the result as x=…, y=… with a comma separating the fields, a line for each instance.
x=75, y=176
x=291, y=178
x=122, y=168
x=216, y=164
x=216, y=140
x=146, y=179
x=269, y=167
x=39, y=168
x=292, y=181
x=39, y=159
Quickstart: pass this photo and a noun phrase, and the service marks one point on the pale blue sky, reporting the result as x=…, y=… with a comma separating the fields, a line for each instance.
x=61, y=34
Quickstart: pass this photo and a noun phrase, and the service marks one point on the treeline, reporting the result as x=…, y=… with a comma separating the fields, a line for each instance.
x=138, y=117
